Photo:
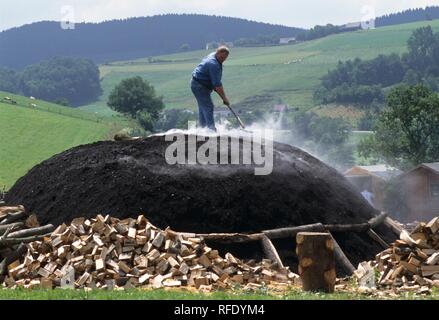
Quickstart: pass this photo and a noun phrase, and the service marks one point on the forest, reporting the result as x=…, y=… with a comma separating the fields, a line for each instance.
x=364, y=82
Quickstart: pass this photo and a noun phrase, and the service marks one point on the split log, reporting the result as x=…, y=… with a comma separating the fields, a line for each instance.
x=13, y=217
x=270, y=251
x=316, y=261
x=341, y=259
x=293, y=231
x=32, y=232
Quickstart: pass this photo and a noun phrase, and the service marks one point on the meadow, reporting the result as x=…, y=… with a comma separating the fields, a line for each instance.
x=30, y=135
x=287, y=74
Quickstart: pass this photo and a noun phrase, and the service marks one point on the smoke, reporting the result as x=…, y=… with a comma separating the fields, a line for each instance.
x=283, y=131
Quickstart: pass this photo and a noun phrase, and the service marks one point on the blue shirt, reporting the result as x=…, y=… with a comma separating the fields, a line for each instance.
x=209, y=72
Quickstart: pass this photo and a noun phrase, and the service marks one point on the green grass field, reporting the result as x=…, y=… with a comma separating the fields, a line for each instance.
x=160, y=294
x=30, y=135
x=290, y=73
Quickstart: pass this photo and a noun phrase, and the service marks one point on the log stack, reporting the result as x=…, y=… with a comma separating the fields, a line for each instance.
x=17, y=227
x=413, y=261
x=109, y=253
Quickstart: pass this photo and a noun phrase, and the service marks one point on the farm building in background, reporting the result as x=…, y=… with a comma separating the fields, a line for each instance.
x=287, y=40
x=371, y=181
x=421, y=189
x=352, y=26
x=280, y=108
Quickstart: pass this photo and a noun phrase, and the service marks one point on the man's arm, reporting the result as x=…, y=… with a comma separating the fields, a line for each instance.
x=215, y=76
x=222, y=94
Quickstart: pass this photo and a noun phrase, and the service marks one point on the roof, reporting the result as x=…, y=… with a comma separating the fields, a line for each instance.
x=434, y=166
x=280, y=107
x=382, y=171
x=352, y=25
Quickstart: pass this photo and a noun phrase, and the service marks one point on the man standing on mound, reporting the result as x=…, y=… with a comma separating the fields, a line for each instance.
x=206, y=78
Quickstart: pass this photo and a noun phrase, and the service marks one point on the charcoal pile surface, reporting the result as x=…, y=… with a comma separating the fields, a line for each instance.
x=125, y=179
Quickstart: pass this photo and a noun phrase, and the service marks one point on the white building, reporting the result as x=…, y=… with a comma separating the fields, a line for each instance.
x=287, y=40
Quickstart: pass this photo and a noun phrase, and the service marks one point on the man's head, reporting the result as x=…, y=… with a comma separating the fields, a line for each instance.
x=222, y=53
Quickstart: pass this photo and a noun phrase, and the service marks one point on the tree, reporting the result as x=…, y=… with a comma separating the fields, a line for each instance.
x=421, y=48
x=62, y=102
x=367, y=121
x=145, y=120
x=8, y=80
x=76, y=80
x=329, y=131
x=174, y=119
x=135, y=95
x=325, y=137
x=407, y=133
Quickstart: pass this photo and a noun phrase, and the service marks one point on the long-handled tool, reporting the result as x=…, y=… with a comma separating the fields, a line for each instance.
x=237, y=118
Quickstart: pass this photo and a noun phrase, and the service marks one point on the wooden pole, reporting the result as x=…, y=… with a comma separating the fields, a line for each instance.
x=316, y=261
x=293, y=231
x=15, y=226
x=32, y=232
x=341, y=259
x=271, y=252
x=231, y=237
x=377, y=238
x=392, y=224
x=13, y=217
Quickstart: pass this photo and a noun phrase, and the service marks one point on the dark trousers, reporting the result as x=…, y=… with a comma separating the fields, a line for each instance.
x=205, y=105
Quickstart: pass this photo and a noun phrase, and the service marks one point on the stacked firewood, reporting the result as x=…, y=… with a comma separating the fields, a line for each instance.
x=17, y=227
x=413, y=261
x=110, y=253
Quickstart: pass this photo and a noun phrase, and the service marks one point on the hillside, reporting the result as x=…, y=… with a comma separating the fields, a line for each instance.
x=408, y=16
x=30, y=135
x=125, y=39
x=267, y=75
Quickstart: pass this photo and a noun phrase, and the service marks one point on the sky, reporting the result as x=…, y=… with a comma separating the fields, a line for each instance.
x=295, y=13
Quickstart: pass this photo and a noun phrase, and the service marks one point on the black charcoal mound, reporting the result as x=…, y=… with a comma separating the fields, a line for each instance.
x=125, y=179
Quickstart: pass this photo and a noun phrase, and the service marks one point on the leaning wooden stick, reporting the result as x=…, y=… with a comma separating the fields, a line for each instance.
x=378, y=239
x=341, y=259
x=270, y=251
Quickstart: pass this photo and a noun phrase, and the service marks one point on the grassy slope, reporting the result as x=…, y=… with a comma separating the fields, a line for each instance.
x=29, y=136
x=252, y=71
